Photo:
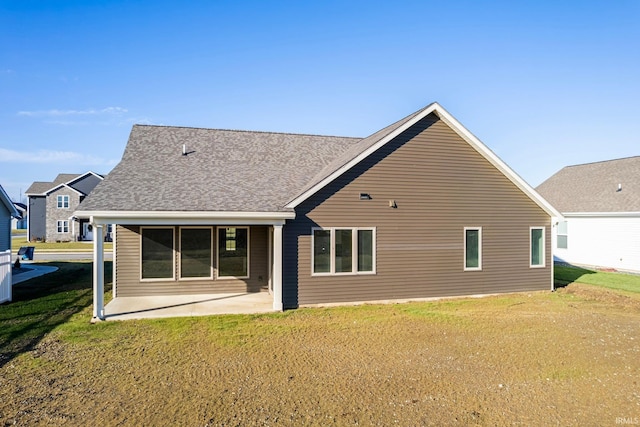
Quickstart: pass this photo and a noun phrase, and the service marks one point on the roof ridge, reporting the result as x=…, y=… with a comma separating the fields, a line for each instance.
x=251, y=131
x=602, y=161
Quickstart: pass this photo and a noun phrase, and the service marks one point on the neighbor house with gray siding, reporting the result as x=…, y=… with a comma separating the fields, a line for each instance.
x=7, y=212
x=419, y=209
x=51, y=205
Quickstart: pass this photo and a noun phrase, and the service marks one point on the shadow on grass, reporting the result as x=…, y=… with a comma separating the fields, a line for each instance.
x=41, y=304
x=564, y=274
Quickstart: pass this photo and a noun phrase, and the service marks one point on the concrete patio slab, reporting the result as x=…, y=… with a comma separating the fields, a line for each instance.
x=125, y=308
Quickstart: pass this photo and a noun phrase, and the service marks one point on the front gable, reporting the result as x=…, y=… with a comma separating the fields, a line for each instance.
x=378, y=140
x=419, y=191
x=86, y=182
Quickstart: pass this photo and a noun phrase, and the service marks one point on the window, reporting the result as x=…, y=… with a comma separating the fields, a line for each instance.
x=63, y=202
x=157, y=253
x=195, y=252
x=537, y=246
x=473, y=248
x=343, y=250
x=63, y=226
x=322, y=251
x=563, y=240
x=365, y=250
x=233, y=252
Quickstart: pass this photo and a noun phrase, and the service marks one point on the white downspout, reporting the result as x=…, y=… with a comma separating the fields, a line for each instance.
x=98, y=272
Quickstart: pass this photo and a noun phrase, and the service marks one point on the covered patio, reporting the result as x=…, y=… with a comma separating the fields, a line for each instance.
x=188, y=304
x=148, y=307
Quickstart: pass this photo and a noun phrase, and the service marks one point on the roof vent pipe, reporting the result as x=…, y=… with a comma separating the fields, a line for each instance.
x=184, y=149
x=619, y=187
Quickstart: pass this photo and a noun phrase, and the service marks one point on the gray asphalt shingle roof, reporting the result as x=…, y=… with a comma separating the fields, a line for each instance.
x=41, y=187
x=355, y=149
x=224, y=170
x=593, y=187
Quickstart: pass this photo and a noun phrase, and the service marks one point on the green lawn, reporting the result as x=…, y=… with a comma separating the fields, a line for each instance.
x=532, y=358
x=16, y=243
x=619, y=281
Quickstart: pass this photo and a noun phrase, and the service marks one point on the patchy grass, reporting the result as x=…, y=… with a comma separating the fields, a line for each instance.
x=564, y=358
x=43, y=303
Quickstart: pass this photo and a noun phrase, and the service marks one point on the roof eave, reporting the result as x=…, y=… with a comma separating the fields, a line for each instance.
x=184, y=217
x=6, y=200
x=57, y=187
x=601, y=214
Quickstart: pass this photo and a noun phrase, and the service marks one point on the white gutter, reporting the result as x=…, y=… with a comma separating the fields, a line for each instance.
x=602, y=214
x=184, y=217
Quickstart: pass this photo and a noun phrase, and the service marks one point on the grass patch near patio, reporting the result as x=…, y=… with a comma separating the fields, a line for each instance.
x=532, y=358
x=43, y=303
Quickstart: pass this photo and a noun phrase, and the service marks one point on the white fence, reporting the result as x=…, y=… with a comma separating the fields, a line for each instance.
x=5, y=276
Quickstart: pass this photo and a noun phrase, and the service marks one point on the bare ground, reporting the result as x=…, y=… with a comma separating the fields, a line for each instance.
x=567, y=358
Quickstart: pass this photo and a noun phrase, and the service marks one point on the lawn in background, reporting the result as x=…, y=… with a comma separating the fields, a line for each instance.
x=19, y=239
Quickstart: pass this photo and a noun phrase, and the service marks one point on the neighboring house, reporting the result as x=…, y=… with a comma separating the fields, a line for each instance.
x=600, y=203
x=7, y=211
x=20, y=223
x=419, y=209
x=51, y=206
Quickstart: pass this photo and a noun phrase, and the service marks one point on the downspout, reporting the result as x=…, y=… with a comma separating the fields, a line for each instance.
x=98, y=271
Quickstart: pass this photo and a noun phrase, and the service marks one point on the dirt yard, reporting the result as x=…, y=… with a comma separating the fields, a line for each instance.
x=569, y=358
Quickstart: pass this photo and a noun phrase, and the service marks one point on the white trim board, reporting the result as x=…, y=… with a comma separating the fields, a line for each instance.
x=456, y=127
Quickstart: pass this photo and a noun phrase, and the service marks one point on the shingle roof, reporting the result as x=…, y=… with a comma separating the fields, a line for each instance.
x=63, y=178
x=244, y=171
x=224, y=170
x=593, y=187
x=356, y=149
x=41, y=187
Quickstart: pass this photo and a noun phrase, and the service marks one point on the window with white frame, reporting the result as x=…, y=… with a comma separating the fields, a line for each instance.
x=233, y=252
x=63, y=201
x=343, y=250
x=157, y=253
x=563, y=241
x=63, y=226
x=196, y=251
x=536, y=235
x=473, y=248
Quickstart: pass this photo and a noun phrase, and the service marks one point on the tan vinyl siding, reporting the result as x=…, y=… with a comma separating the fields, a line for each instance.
x=128, y=268
x=440, y=185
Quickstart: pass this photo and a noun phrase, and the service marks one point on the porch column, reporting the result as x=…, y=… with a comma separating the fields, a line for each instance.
x=277, y=268
x=98, y=272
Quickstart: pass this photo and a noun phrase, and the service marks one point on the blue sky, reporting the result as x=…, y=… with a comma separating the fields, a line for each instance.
x=544, y=84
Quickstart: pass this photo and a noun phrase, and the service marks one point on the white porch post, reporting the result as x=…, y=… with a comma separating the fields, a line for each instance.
x=98, y=272
x=277, y=268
